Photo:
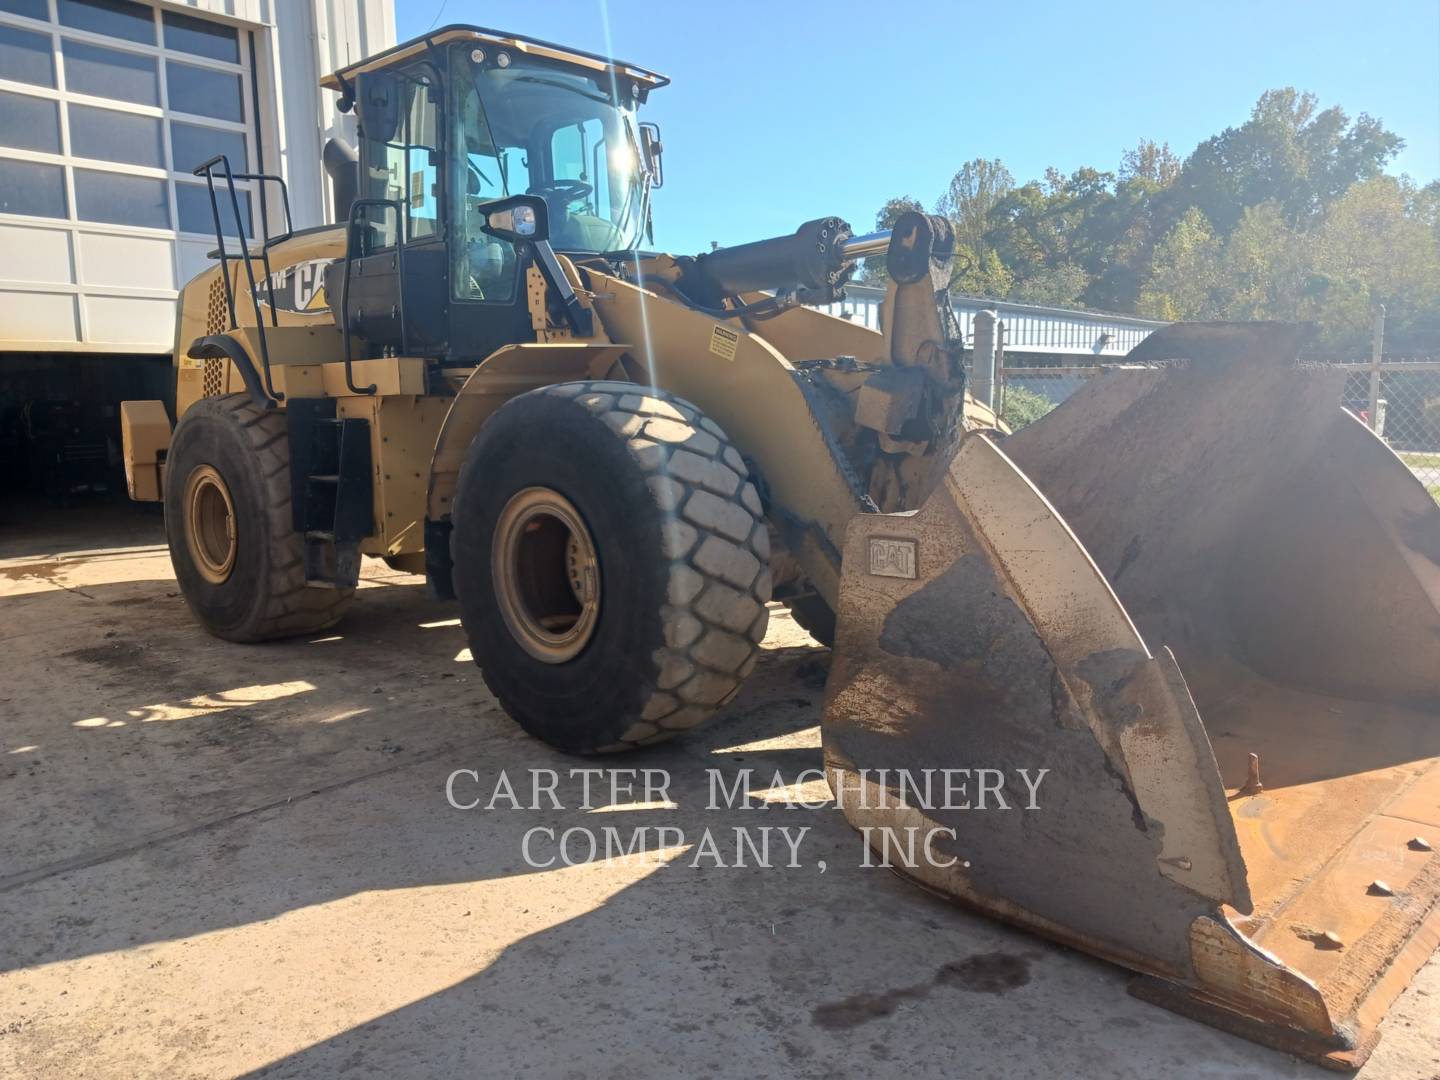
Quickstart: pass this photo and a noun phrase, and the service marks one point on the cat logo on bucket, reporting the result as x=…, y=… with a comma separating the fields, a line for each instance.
x=892, y=558
x=299, y=289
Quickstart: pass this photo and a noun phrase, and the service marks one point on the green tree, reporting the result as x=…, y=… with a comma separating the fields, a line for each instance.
x=1182, y=278
x=1289, y=152
x=1053, y=286
x=1041, y=225
x=1289, y=215
x=1023, y=406
x=1150, y=161
x=973, y=194
x=1122, y=231
x=1378, y=245
x=984, y=275
x=1262, y=268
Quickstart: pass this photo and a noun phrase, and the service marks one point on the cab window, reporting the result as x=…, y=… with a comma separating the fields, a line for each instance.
x=405, y=169
x=422, y=169
x=579, y=153
x=484, y=268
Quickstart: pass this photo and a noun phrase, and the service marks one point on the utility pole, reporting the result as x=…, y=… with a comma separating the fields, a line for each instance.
x=1377, y=349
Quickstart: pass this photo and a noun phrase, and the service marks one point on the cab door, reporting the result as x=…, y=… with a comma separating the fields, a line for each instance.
x=399, y=276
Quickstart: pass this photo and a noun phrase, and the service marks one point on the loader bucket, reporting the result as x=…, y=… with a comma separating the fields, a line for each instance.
x=1268, y=868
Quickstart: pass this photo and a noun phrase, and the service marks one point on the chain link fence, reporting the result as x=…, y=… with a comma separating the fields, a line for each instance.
x=1400, y=401
x=1402, y=406
x=1028, y=393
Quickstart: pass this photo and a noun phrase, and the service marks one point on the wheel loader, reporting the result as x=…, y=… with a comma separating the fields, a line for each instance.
x=1199, y=595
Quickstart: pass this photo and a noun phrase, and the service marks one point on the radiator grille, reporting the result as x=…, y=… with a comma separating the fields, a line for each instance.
x=217, y=317
x=214, y=377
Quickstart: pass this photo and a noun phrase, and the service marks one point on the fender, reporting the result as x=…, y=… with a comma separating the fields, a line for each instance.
x=225, y=347
x=504, y=374
x=744, y=383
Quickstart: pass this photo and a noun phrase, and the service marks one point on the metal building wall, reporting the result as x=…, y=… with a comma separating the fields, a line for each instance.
x=1031, y=330
x=312, y=39
x=74, y=282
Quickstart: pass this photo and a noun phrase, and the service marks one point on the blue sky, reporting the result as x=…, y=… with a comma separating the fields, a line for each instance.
x=785, y=111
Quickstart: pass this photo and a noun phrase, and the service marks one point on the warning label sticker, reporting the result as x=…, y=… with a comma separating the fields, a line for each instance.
x=723, y=341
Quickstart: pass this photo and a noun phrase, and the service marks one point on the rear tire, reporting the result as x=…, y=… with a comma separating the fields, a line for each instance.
x=239, y=561
x=661, y=622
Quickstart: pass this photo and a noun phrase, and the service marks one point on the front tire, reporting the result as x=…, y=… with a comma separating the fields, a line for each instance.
x=237, y=557
x=611, y=563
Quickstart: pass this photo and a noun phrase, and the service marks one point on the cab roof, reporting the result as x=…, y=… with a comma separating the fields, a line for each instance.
x=447, y=35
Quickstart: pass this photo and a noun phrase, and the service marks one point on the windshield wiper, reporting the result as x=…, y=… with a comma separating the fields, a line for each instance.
x=489, y=134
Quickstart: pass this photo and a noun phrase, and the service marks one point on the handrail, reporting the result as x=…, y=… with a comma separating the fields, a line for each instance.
x=356, y=207
x=264, y=178
x=207, y=170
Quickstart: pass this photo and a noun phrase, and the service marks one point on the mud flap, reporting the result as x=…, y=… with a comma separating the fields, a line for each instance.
x=1290, y=560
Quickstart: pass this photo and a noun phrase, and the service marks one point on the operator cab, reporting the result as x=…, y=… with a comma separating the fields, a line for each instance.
x=451, y=126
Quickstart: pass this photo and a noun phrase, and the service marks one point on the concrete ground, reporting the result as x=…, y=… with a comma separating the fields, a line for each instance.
x=221, y=860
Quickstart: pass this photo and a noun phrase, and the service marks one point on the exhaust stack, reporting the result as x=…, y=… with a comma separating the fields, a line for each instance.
x=342, y=165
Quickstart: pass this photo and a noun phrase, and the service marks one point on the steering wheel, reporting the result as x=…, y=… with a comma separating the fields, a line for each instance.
x=567, y=190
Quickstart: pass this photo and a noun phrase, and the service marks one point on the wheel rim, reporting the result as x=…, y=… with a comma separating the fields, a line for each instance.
x=210, y=524
x=546, y=575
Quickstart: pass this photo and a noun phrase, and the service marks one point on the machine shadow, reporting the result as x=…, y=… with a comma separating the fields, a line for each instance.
x=253, y=781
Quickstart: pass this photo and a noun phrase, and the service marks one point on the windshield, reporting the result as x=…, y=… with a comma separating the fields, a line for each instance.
x=545, y=130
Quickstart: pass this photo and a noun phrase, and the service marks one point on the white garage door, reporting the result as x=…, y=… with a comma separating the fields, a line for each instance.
x=105, y=108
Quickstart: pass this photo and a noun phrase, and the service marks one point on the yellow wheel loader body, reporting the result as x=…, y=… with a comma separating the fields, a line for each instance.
x=1196, y=606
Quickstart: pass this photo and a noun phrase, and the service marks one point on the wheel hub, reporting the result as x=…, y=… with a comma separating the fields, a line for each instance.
x=210, y=524
x=546, y=575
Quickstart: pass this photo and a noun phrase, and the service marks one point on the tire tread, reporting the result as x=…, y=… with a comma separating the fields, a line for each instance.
x=681, y=453
x=291, y=607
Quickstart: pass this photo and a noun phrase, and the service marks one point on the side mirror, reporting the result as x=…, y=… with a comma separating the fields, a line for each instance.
x=651, y=147
x=377, y=104
x=520, y=217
